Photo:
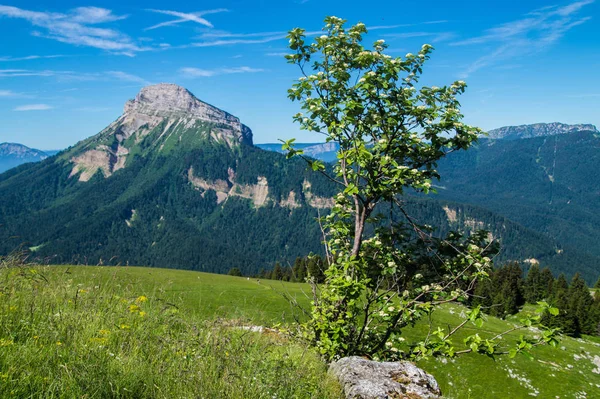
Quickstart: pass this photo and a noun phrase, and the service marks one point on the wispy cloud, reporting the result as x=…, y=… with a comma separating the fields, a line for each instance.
x=127, y=77
x=29, y=57
x=10, y=73
x=33, y=107
x=77, y=27
x=74, y=76
x=281, y=54
x=381, y=27
x=535, y=32
x=205, y=73
x=7, y=93
x=93, y=109
x=223, y=38
x=227, y=35
x=215, y=43
x=432, y=37
x=185, y=17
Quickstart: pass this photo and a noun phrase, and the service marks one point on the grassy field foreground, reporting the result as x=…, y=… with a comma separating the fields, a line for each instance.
x=141, y=332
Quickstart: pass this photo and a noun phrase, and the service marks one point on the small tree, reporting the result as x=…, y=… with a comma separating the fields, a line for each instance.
x=533, y=284
x=390, y=133
x=235, y=271
x=277, y=273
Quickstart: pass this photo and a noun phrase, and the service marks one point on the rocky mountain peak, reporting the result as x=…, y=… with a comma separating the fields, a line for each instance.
x=164, y=117
x=163, y=97
x=537, y=130
x=167, y=100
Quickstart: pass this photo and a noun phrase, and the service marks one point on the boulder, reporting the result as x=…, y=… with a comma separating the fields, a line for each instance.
x=366, y=379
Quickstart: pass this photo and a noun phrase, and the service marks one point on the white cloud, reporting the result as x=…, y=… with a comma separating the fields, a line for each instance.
x=185, y=17
x=33, y=107
x=223, y=34
x=77, y=27
x=215, y=43
x=29, y=57
x=535, y=32
x=205, y=73
x=277, y=54
x=93, y=109
x=127, y=77
x=69, y=76
x=7, y=93
x=380, y=27
x=434, y=37
x=9, y=73
x=222, y=38
x=95, y=15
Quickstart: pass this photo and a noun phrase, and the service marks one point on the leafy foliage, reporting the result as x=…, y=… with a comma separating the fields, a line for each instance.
x=390, y=136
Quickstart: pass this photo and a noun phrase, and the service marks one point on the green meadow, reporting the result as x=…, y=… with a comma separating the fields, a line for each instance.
x=95, y=332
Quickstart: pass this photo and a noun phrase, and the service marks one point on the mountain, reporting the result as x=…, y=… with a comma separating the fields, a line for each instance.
x=176, y=182
x=324, y=151
x=548, y=184
x=173, y=182
x=537, y=130
x=12, y=154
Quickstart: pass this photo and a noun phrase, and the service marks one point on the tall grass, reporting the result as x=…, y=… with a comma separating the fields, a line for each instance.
x=59, y=339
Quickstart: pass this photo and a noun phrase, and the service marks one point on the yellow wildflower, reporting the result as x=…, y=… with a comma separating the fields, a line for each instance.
x=124, y=327
x=6, y=342
x=104, y=332
x=143, y=314
x=134, y=308
x=58, y=343
x=142, y=299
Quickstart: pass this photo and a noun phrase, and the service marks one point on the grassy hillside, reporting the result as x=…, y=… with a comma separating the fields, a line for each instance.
x=566, y=372
x=139, y=333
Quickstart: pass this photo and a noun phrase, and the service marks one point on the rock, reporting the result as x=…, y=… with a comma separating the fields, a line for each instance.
x=166, y=100
x=366, y=379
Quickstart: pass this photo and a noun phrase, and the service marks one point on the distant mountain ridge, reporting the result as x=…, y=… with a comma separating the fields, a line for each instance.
x=13, y=154
x=537, y=130
x=324, y=151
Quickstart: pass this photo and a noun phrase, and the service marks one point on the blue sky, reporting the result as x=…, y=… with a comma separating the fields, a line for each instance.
x=67, y=67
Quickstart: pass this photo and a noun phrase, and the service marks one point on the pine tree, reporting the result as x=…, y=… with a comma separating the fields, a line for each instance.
x=503, y=294
x=277, y=273
x=299, y=269
x=546, y=283
x=597, y=285
x=532, y=285
x=482, y=295
x=560, y=299
x=580, y=306
x=316, y=267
